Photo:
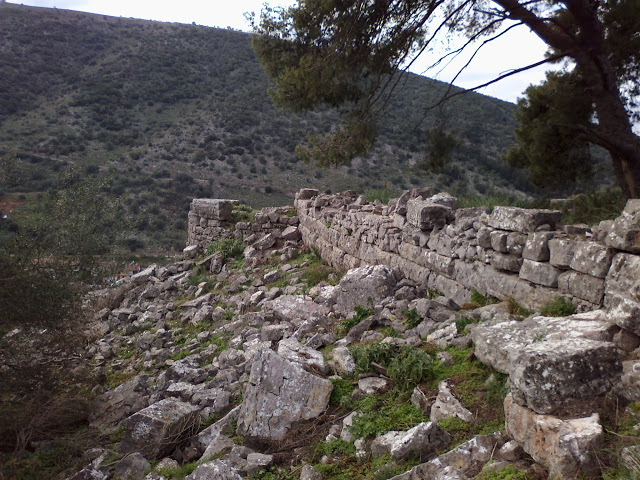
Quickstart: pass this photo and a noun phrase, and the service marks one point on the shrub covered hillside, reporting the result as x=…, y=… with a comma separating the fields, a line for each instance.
x=170, y=112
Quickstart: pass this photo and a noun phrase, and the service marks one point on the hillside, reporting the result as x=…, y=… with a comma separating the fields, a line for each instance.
x=168, y=112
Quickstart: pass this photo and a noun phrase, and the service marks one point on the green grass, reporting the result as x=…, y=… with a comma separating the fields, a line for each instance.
x=463, y=322
x=510, y=472
x=558, y=307
x=230, y=248
x=361, y=314
x=411, y=318
x=178, y=472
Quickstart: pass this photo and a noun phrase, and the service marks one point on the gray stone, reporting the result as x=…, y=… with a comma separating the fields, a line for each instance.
x=304, y=356
x=565, y=447
x=213, y=208
x=484, y=237
x=622, y=292
x=561, y=252
x=365, y=285
x=445, y=199
x=522, y=220
x=466, y=460
x=592, y=258
x=424, y=440
x=499, y=240
x=310, y=473
x=268, y=241
x=624, y=234
x=629, y=386
x=373, y=385
x=294, y=308
x=132, y=467
x=506, y=262
x=342, y=360
x=516, y=242
x=497, y=343
x=426, y=215
x=582, y=286
x=215, y=470
x=124, y=400
x=540, y=273
x=447, y=406
x=291, y=233
x=630, y=458
x=279, y=394
x=157, y=429
x=307, y=194
x=555, y=375
x=537, y=246
x=258, y=461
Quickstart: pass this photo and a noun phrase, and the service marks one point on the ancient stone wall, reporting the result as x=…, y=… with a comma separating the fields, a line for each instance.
x=508, y=253
x=211, y=219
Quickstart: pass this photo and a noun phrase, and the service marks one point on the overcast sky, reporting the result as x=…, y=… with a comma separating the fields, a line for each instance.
x=514, y=50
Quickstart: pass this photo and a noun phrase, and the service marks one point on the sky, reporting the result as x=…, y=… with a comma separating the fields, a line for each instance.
x=516, y=49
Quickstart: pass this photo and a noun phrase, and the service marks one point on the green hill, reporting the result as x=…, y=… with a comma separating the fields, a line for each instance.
x=168, y=112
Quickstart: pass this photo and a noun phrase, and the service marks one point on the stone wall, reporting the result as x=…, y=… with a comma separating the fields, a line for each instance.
x=211, y=219
x=511, y=252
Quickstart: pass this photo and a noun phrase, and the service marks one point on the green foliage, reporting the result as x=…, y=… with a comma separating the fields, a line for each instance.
x=592, y=208
x=440, y=147
x=178, y=472
x=463, y=322
x=360, y=314
x=558, y=307
x=481, y=300
x=549, y=115
x=510, y=472
x=514, y=308
x=242, y=213
x=229, y=247
x=273, y=473
x=382, y=194
x=453, y=424
x=342, y=388
x=411, y=318
x=334, y=447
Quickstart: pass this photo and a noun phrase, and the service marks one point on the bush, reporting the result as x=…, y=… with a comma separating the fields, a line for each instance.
x=230, y=248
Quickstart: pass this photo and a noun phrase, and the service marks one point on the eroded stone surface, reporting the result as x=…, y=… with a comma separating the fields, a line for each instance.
x=522, y=220
x=365, y=285
x=423, y=439
x=565, y=447
x=215, y=470
x=446, y=406
x=279, y=393
x=622, y=292
x=427, y=215
x=294, y=308
x=624, y=233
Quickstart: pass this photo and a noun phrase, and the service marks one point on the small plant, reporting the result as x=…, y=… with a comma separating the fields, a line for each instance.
x=291, y=212
x=463, y=322
x=360, y=314
x=242, y=213
x=334, y=447
x=453, y=424
x=178, y=472
x=432, y=293
x=507, y=473
x=328, y=224
x=558, y=307
x=342, y=388
x=230, y=248
x=411, y=318
x=481, y=300
x=379, y=414
x=514, y=308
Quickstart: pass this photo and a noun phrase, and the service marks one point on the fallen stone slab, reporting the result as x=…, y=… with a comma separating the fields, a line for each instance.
x=447, y=406
x=622, y=292
x=294, y=308
x=424, y=440
x=216, y=470
x=304, y=356
x=523, y=220
x=497, y=343
x=279, y=394
x=565, y=447
x=466, y=460
x=560, y=374
x=364, y=285
x=156, y=430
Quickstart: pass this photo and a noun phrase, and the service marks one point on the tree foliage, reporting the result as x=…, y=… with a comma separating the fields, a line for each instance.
x=346, y=53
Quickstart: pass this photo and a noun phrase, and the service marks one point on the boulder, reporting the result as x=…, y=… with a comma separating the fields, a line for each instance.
x=522, y=220
x=364, y=285
x=156, y=430
x=279, y=393
x=565, y=447
x=556, y=375
x=342, y=360
x=582, y=286
x=447, y=406
x=307, y=357
x=427, y=215
x=294, y=308
x=624, y=233
x=561, y=251
x=424, y=440
x=113, y=406
x=622, y=292
x=466, y=460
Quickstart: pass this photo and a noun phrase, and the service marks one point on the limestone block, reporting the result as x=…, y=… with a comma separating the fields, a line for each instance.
x=522, y=220
x=279, y=394
x=445, y=199
x=464, y=461
x=624, y=233
x=499, y=240
x=565, y=447
x=294, y=309
x=342, y=360
x=516, y=242
x=307, y=194
x=156, y=430
x=484, y=237
x=540, y=273
x=213, y=208
x=582, y=286
x=498, y=343
x=215, y=470
x=304, y=356
x=373, y=385
x=629, y=386
x=423, y=440
x=537, y=246
x=360, y=284
x=447, y=406
x=592, y=258
x=555, y=374
x=506, y=262
x=622, y=292
x=427, y=215
x=561, y=252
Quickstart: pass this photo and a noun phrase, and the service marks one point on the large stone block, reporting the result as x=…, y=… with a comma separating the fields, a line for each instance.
x=278, y=395
x=555, y=375
x=522, y=220
x=537, y=246
x=213, y=208
x=294, y=308
x=506, y=262
x=565, y=447
x=592, y=258
x=582, y=286
x=561, y=252
x=156, y=430
x=624, y=234
x=426, y=215
x=622, y=292
x=541, y=273
x=359, y=285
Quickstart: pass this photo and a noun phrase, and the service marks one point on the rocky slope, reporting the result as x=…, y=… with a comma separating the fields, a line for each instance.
x=270, y=365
